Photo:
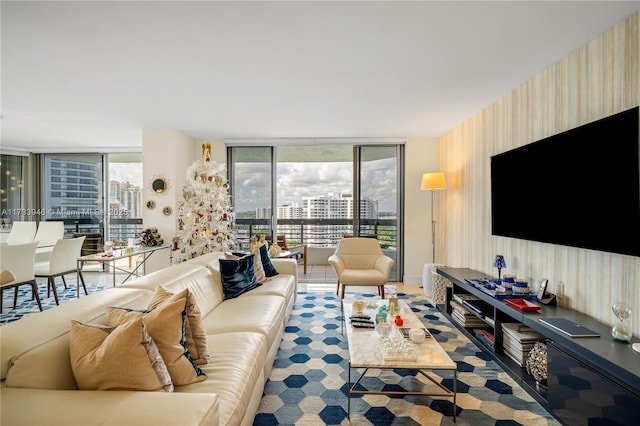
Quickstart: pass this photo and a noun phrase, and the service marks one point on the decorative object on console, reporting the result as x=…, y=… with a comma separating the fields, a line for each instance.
x=499, y=263
x=150, y=238
x=205, y=214
x=537, y=364
x=508, y=281
x=620, y=330
x=433, y=182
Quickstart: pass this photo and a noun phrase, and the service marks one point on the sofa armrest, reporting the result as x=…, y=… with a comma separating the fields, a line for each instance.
x=286, y=266
x=73, y=407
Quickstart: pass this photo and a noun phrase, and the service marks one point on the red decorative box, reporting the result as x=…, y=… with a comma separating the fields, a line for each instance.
x=523, y=305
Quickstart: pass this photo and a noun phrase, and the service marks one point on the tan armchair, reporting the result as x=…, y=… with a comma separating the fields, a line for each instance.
x=361, y=262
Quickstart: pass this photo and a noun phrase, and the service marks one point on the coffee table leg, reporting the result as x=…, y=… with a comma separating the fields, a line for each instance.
x=349, y=392
x=455, y=390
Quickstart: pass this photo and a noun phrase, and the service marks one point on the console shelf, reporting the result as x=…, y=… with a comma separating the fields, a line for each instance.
x=575, y=365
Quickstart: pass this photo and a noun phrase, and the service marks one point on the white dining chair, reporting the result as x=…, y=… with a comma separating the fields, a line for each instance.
x=62, y=261
x=21, y=232
x=49, y=232
x=19, y=260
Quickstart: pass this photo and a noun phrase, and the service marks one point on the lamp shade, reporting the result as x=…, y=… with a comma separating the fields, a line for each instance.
x=433, y=181
x=499, y=262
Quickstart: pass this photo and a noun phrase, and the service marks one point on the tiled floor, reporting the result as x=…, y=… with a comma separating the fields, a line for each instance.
x=317, y=278
x=323, y=279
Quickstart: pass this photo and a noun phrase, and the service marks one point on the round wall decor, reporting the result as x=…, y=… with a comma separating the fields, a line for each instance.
x=159, y=184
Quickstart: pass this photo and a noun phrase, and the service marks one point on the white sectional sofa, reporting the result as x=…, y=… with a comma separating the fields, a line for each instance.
x=243, y=336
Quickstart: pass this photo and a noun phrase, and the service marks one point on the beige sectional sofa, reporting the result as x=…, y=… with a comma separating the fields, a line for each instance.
x=243, y=336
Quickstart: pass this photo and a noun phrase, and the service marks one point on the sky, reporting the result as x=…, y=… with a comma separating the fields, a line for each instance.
x=295, y=181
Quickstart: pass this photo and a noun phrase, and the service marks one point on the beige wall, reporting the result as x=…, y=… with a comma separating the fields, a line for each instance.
x=166, y=153
x=600, y=79
x=421, y=157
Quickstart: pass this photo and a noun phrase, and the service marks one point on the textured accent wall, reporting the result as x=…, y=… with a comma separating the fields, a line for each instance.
x=599, y=79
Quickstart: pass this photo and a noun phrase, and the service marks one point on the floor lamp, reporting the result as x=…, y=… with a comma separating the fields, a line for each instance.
x=433, y=182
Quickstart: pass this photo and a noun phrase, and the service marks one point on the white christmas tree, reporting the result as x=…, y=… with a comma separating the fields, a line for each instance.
x=205, y=214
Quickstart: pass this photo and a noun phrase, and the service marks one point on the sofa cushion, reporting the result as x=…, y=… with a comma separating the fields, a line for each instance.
x=166, y=326
x=30, y=407
x=196, y=276
x=237, y=275
x=35, y=350
x=269, y=270
x=194, y=332
x=117, y=358
x=264, y=315
x=234, y=374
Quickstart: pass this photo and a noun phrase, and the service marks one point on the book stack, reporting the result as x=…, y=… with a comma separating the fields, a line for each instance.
x=485, y=336
x=465, y=318
x=518, y=340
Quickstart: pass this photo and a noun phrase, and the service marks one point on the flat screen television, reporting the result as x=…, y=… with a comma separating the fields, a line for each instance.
x=579, y=188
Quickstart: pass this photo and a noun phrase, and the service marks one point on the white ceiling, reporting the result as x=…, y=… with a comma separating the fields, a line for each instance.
x=89, y=76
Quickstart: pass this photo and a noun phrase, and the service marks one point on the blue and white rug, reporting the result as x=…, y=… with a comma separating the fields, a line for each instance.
x=28, y=306
x=308, y=383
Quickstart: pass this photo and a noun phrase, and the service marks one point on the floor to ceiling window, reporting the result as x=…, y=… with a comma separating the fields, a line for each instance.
x=73, y=191
x=251, y=179
x=12, y=191
x=124, y=215
x=320, y=193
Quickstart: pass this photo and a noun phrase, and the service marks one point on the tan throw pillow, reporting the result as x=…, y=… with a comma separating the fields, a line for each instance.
x=166, y=324
x=117, y=358
x=194, y=331
x=258, y=268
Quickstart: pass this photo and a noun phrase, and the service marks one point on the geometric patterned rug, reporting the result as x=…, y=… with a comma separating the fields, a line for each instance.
x=308, y=382
x=28, y=306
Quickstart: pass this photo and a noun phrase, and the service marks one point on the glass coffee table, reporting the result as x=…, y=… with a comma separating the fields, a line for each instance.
x=367, y=351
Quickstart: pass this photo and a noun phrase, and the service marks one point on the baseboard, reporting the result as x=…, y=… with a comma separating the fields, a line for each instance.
x=412, y=279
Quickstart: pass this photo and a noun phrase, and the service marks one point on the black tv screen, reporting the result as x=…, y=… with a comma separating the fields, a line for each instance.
x=579, y=188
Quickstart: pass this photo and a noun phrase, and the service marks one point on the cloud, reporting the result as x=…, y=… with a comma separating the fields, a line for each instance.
x=298, y=180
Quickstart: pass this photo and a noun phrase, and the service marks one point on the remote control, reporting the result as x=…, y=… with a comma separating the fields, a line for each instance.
x=357, y=317
x=366, y=321
x=362, y=325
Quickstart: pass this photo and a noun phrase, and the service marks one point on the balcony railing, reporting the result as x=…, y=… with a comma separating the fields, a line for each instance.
x=319, y=232
x=120, y=230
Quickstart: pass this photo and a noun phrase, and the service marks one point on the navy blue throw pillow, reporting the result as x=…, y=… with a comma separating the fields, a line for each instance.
x=237, y=276
x=269, y=269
